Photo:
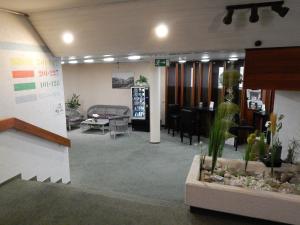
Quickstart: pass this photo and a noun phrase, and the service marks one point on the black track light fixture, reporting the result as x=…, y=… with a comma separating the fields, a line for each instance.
x=254, y=15
x=276, y=6
x=282, y=11
x=228, y=18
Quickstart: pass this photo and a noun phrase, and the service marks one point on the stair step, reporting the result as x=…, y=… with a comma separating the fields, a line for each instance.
x=18, y=176
x=48, y=180
x=59, y=181
x=33, y=178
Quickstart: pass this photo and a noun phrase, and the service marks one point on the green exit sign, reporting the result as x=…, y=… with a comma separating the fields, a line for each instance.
x=161, y=62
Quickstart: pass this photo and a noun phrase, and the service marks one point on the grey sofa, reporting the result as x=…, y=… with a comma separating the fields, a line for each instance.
x=73, y=118
x=118, y=117
x=108, y=111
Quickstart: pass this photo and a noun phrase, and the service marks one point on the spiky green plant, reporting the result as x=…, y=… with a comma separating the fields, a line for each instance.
x=231, y=78
x=224, y=118
x=248, y=153
x=276, y=145
x=293, y=150
x=262, y=146
x=202, y=160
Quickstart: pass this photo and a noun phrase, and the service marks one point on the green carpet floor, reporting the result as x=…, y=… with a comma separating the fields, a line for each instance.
x=34, y=203
x=131, y=166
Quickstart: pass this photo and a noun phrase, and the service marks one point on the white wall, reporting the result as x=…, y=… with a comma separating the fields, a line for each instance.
x=43, y=105
x=288, y=104
x=93, y=82
x=31, y=156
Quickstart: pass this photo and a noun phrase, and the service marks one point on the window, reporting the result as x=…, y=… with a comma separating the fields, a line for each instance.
x=242, y=77
x=220, y=79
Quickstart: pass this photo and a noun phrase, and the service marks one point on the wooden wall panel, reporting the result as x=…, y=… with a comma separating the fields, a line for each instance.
x=176, y=83
x=193, y=85
x=166, y=91
x=182, y=84
x=199, y=82
x=272, y=68
x=210, y=83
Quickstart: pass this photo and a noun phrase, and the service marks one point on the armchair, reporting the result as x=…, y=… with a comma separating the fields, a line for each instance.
x=73, y=118
x=118, y=125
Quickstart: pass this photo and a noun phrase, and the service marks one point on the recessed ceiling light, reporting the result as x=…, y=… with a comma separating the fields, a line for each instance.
x=233, y=58
x=204, y=60
x=109, y=59
x=107, y=55
x=87, y=57
x=205, y=57
x=134, y=57
x=161, y=30
x=88, y=60
x=181, y=60
x=68, y=37
x=73, y=62
x=72, y=57
x=62, y=62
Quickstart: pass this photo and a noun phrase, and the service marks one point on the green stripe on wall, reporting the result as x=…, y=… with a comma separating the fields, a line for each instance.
x=24, y=86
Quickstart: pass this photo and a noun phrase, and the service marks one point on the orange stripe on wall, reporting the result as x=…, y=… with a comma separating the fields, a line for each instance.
x=22, y=73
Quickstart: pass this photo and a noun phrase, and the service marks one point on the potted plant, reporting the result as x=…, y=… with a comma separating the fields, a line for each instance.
x=256, y=148
x=73, y=102
x=293, y=150
x=273, y=158
x=142, y=81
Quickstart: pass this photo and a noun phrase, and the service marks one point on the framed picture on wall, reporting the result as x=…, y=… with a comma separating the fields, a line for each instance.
x=254, y=101
x=253, y=95
x=122, y=80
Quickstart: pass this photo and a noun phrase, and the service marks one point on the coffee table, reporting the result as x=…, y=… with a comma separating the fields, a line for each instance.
x=94, y=124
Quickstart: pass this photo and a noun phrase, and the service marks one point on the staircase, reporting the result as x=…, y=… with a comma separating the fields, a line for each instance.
x=33, y=152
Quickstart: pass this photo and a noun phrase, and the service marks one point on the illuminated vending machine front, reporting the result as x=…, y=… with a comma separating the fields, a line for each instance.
x=138, y=103
x=140, y=108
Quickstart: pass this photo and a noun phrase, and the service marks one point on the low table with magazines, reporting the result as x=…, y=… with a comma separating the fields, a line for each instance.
x=93, y=123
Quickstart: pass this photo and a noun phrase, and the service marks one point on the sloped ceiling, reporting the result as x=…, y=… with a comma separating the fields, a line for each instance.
x=31, y=6
x=126, y=27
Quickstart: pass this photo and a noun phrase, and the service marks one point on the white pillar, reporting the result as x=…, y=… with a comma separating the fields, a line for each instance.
x=155, y=103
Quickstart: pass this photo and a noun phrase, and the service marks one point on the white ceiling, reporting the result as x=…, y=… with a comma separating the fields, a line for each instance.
x=122, y=27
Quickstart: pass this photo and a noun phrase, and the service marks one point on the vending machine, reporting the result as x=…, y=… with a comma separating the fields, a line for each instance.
x=140, y=109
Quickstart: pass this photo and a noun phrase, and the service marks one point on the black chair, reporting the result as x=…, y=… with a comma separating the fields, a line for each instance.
x=188, y=125
x=241, y=126
x=173, y=117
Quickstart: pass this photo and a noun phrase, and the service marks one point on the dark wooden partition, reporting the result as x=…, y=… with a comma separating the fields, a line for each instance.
x=272, y=68
x=193, y=82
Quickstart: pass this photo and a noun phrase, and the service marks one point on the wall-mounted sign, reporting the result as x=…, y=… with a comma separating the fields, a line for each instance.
x=161, y=62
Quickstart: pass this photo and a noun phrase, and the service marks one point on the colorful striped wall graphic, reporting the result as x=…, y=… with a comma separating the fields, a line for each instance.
x=22, y=73
x=24, y=86
x=26, y=98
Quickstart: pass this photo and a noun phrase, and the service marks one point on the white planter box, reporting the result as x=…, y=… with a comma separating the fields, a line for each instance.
x=241, y=201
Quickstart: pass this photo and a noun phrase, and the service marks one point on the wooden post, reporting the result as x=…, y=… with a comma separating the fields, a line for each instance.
x=210, y=83
x=176, y=83
x=182, y=85
x=193, y=85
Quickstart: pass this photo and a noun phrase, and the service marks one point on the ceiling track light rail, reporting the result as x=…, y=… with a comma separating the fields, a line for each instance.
x=276, y=6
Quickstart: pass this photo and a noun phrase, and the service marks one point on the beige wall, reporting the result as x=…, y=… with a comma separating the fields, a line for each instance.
x=93, y=82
